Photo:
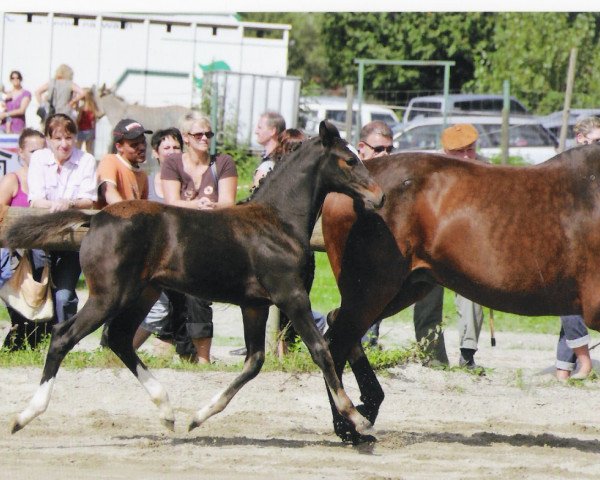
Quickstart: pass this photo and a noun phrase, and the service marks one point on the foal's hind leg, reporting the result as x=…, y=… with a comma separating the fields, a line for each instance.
x=65, y=336
x=120, y=340
x=255, y=320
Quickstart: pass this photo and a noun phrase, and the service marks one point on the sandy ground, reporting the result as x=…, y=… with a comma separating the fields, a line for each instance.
x=515, y=422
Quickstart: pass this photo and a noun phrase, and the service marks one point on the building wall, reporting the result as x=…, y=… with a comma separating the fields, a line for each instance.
x=151, y=59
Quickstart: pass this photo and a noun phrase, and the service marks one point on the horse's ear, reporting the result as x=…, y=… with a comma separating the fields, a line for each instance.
x=328, y=132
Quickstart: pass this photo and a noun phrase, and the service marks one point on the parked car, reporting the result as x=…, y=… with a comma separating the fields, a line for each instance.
x=528, y=138
x=553, y=122
x=315, y=109
x=460, y=104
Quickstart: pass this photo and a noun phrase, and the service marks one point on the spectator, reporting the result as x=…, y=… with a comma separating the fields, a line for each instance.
x=459, y=141
x=269, y=127
x=86, y=121
x=573, y=340
x=375, y=141
x=63, y=94
x=164, y=143
x=16, y=100
x=119, y=175
x=62, y=177
x=197, y=180
x=13, y=192
x=166, y=318
x=287, y=141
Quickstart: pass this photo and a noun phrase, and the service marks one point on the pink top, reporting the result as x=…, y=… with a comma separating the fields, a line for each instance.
x=20, y=199
x=17, y=123
x=76, y=180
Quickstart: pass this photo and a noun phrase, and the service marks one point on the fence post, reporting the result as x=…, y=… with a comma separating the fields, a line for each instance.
x=505, y=114
x=349, y=108
x=567, y=105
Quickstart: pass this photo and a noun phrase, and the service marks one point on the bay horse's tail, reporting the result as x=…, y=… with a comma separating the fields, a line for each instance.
x=40, y=231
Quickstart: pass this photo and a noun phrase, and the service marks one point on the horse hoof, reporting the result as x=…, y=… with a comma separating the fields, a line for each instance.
x=364, y=425
x=363, y=439
x=169, y=423
x=16, y=426
x=193, y=424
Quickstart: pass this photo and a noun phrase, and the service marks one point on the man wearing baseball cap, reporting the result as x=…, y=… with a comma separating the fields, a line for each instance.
x=119, y=174
x=459, y=141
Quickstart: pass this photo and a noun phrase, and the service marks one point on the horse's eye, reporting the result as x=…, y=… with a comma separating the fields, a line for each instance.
x=351, y=161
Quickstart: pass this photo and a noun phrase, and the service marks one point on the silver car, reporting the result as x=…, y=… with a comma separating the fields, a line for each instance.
x=528, y=139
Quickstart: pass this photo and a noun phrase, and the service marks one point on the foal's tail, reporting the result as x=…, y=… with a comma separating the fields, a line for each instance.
x=45, y=231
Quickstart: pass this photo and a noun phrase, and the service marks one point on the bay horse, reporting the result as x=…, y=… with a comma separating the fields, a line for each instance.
x=251, y=255
x=524, y=240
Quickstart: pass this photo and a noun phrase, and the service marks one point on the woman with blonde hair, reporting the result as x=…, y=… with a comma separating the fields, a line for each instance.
x=62, y=93
x=195, y=179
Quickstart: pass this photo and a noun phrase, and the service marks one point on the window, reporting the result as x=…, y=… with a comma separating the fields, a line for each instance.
x=425, y=109
x=519, y=136
x=339, y=116
x=383, y=117
x=425, y=137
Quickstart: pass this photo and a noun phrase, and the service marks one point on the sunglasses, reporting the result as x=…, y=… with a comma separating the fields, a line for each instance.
x=380, y=148
x=198, y=135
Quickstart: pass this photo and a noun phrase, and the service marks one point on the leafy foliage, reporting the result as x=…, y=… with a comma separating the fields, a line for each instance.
x=531, y=50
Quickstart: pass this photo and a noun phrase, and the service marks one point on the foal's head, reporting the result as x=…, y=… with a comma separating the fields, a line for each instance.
x=342, y=171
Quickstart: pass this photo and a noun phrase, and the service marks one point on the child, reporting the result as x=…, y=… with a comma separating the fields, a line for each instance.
x=86, y=121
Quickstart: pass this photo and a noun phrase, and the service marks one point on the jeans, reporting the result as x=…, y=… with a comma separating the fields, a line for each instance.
x=65, y=271
x=573, y=334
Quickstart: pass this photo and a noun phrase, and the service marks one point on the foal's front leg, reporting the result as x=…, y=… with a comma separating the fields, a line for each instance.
x=296, y=305
x=255, y=321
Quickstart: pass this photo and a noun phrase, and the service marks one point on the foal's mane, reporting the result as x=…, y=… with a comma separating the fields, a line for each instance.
x=281, y=165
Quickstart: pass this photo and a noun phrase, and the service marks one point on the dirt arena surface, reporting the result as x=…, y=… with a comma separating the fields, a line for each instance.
x=515, y=422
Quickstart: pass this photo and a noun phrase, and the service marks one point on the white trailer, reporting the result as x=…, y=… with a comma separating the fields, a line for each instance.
x=151, y=59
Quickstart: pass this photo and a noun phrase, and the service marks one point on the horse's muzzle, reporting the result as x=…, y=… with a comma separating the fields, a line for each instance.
x=376, y=198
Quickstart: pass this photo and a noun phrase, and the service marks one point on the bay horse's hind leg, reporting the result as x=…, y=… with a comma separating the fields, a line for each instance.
x=64, y=337
x=120, y=340
x=255, y=320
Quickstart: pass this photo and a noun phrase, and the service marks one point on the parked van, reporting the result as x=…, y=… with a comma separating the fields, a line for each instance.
x=527, y=138
x=315, y=109
x=460, y=104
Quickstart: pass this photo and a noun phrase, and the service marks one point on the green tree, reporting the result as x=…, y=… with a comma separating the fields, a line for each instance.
x=405, y=36
x=532, y=51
